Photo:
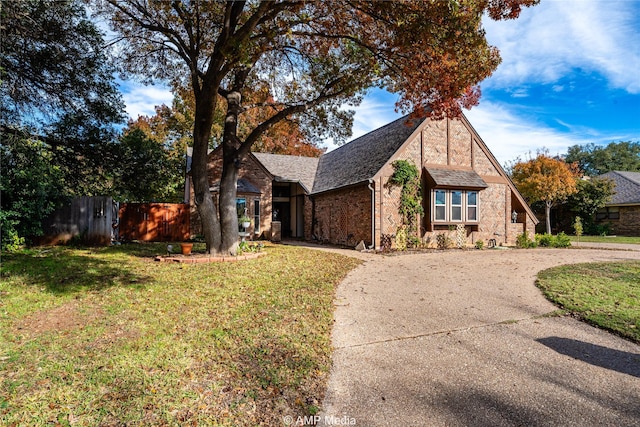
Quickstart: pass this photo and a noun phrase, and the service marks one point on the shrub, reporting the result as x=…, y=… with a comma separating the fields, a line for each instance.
x=479, y=244
x=443, y=241
x=551, y=241
x=523, y=241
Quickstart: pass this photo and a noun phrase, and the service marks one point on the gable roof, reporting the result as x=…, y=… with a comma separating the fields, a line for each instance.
x=363, y=157
x=627, y=187
x=285, y=168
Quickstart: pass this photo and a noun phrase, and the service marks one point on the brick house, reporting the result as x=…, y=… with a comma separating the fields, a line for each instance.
x=343, y=197
x=623, y=211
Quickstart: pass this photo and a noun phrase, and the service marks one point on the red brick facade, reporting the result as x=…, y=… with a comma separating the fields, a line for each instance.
x=368, y=210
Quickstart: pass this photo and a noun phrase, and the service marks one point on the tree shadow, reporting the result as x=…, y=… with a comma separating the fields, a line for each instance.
x=604, y=357
x=68, y=273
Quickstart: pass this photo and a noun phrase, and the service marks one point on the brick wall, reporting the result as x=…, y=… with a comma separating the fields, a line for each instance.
x=451, y=143
x=251, y=171
x=629, y=222
x=344, y=216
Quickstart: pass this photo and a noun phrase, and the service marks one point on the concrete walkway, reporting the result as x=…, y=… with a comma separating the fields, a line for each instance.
x=462, y=338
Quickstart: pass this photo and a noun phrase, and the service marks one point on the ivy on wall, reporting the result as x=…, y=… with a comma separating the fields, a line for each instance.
x=406, y=175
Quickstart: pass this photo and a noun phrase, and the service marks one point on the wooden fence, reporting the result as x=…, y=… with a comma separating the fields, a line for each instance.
x=88, y=219
x=154, y=222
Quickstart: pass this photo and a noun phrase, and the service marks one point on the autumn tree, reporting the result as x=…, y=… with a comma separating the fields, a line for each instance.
x=307, y=59
x=545, y=179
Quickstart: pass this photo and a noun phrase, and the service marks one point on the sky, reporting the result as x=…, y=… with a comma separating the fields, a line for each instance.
x=570, y=75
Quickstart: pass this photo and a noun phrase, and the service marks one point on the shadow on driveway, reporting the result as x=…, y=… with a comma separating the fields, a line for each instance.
x=608, y=358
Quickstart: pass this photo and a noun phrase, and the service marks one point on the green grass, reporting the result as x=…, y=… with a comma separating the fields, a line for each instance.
x=604, y=294
x=106, y=337
x=607, y=239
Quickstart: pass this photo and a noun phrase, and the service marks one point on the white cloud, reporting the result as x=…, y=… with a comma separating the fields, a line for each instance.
x=548, y=41
x=141, y=100
x=509, y=136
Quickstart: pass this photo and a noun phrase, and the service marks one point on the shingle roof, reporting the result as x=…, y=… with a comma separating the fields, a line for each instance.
x=363, y=157
x=627, y=187
x=444, y=177
x=290, y=168
x=244, y=186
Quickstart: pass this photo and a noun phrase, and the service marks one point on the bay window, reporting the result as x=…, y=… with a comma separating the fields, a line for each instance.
x=455, y=206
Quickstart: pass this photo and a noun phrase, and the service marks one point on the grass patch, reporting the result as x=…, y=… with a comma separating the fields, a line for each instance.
x=603, y=294
x=102, y=337
x=607, y=239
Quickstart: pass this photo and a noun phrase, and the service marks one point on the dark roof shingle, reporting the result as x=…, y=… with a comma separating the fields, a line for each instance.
x=363, y=157
x=627, y=187
x=453, y=178
x=286, y=168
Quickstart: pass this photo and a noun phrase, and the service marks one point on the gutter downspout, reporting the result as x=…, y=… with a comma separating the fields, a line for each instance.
x=373, y=213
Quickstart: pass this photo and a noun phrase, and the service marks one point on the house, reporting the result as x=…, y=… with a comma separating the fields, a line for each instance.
x=623, y=211
x=343, y=197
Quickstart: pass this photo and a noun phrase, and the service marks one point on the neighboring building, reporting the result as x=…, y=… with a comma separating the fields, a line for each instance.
x=343, y=197
x=623, y=211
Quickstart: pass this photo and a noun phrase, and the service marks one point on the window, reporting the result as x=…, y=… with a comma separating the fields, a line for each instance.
x=440, y=205
x=472, y=205
x=241, y=210
x=256, y=215
x=455, y=206
x=612, y=212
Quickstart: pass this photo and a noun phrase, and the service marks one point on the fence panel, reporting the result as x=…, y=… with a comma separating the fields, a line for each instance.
x=154, y=222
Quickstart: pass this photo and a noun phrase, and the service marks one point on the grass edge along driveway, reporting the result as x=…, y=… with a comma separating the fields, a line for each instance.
x=604, y=294
x=106, y=337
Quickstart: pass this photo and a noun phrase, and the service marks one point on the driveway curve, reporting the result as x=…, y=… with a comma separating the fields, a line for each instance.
x=464, y=338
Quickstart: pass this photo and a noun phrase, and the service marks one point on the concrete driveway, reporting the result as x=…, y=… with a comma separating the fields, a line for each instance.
x=463, y=338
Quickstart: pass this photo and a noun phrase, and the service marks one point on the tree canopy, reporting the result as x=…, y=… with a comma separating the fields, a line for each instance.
x=596, y=159
x=545, y=179
x=53, y=62
x=301, y=61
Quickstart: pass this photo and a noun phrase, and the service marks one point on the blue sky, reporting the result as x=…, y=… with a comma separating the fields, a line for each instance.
x=570, y=75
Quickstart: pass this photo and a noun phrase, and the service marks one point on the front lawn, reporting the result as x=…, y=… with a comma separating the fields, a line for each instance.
x=107, y=337
x=604, y=294
x=607, y=239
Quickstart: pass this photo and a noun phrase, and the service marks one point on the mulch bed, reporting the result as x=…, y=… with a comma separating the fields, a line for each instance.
x=196, y=259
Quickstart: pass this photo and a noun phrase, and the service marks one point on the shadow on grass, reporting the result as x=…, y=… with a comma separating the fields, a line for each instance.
x=604, y=357
x=152, y=249
x=64, y=272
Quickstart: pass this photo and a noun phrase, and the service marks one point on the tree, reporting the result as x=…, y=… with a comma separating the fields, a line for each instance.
x=301, y=61
x=31, y=185
x=53, y=62
x=591, y=195
x=596, y=160
x=545, y=179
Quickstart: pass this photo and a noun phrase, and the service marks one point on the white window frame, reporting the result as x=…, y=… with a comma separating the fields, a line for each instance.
x=256, y=215
x=449, y=206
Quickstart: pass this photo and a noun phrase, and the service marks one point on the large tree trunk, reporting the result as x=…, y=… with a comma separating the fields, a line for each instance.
x=547, y=212
x=229, y=179
x=204, y=202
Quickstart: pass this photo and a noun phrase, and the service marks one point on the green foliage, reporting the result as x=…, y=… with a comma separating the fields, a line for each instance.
x=147, y=171
x=592, y=195
x=479, y=244
x=406, y=175
x=53, y=63
x=523, y=241
x=595, y=159
x=561, y=240
x=577, y=227
x=32, y=187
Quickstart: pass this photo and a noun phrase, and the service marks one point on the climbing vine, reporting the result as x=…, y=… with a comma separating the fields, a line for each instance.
x=406, y=174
